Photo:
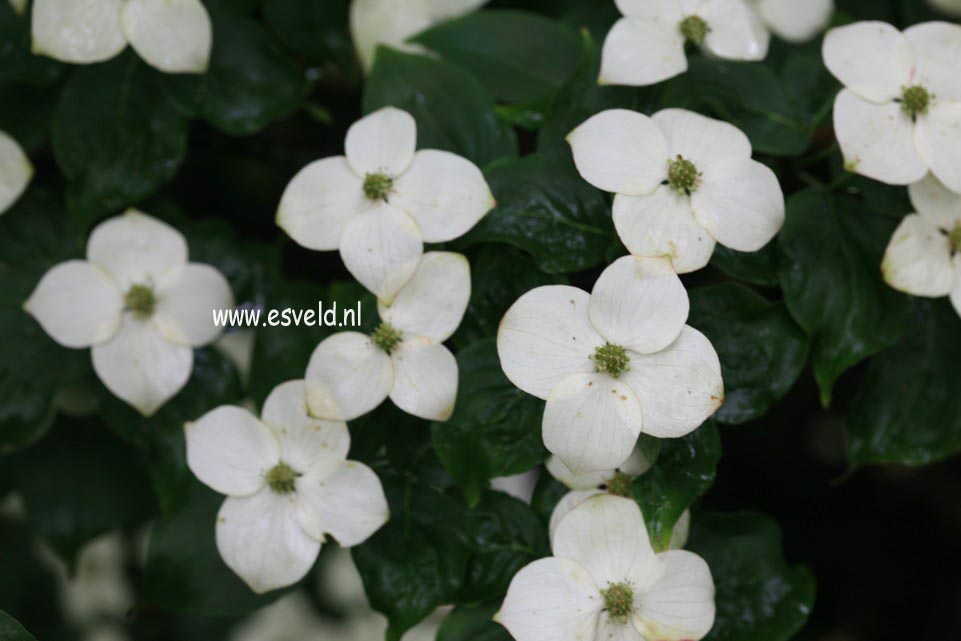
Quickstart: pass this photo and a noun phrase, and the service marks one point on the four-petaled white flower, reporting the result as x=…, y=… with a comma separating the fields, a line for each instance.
x=138, y=303
x=684, y=182
x=612, y=363
x=15, y=171
x=175, y=36
x=392, y=22
x=792, y=20
x=899, y=115
x=288, y=484
x=351, y=373
x=606, y=582
x=381, y=202
x=924, y=255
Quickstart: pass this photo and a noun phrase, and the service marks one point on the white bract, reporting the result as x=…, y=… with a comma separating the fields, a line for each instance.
x=392, y=22
x=606, y=582
x=288, y=484
x=15, y=171
x=612, y=363
x=899, y=115
x=382, y=201
x=924, y=255
x=350, y=373
x=137, y=303
x=795, y=20
x=175, y=36
x=683, y=183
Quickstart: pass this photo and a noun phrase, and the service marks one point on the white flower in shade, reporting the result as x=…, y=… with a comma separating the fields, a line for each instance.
x=392, y=22
x=899, y=114
x=683, y=183
x=605, y=582
x=381, y=202
x=288, y=484
x=15, y=171
x=924, y=255
x=948, y=6
x=612, y=363
x=350, y=373
x=646, y=46
x=795, y=21
x=137, y=303
x=175, y=36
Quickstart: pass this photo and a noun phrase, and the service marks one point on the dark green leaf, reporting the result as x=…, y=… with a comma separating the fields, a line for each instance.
x=472, y=624
x=757, y=268
x=314, y=28
x=26, y=113
x=11, y=630
x=18, y=64
x=547, y=494
x=33, y=588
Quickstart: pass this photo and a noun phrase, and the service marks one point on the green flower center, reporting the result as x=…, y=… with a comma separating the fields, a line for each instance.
x=620, y=485
x=282, y=478
x=682, y=175
x=141, y=300
x=619, y=602
x=915, y=101
x=611, y=359
x=694, y=29
x=377, y=186
x=956, y=239
x=386, y=337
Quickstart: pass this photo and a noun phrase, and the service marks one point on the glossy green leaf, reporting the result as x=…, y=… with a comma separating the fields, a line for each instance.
x=11, y=630
x=548, y=492
x=757, y=268
x=472, y=624
x=315, y=28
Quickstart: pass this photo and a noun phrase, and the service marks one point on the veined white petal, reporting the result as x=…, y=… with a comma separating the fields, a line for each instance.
x=640, y=53
x=681, y=531
x=375, y=22
x=678, y=388
x=260, y=539
x=662, y=224
x=938, y=139
x=591, y=422
x=918, y=259
x=678, y=601
x=551, y=599
x=186, y=304
x=15, y=171
x=230, y=451
x=937, y=48
x=433, y=301
x=445, y=194
x=319, y=201
x=349, y=504
x=796, y=21
x=77, y=304
x=606, y=534
x=141, y=367
x=610, y=629
x=136, y=249
x=740, y=203
x=704, y=141
x=305, y=442
x=382, y=143
x=347, y=376
x=735, y=31
x=567, y=503
x=936, y=203
x=877, y=140
x=639, y=303
x=425, y=379
x=79, y=31
x=872, y=59
x=956, y=290
x=588, y=481
x=637, y=463
x=546, y=335
x=381, y=248
x=620, y=151
x=174, y=36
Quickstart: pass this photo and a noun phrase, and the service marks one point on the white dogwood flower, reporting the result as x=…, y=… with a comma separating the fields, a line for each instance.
x=175, y=36
x=792, y=20
x=612, y=363
x=392, y=22
x=137, y=303
x=288, y=485
x=683, y=182
x=606, y=582
x=924, y=255
x=382, y=201
x=15, y=171
x=350, y=373
x=899, y=115
x=647, y=45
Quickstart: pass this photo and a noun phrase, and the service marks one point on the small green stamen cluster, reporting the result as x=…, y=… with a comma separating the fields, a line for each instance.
x=619, y=602
x=620, y=485
x=377, y=186
x=682, y=175
x=611, y=359
x=281, y=479
x=141, y=300
x=915, y=101
x=956, y=239
x=694, y=30
x=386, y=337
